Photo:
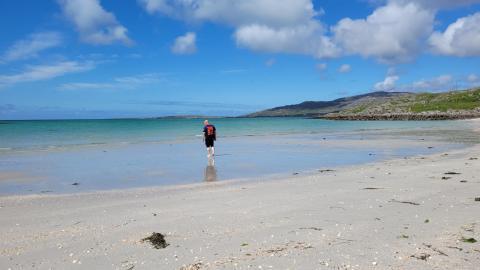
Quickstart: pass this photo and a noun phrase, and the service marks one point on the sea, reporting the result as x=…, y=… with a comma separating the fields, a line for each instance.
x=70, y=156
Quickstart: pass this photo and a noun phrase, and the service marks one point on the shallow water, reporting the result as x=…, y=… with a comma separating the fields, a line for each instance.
x=50, y=156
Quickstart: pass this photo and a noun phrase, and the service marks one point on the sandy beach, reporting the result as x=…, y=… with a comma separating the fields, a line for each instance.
x=408, y=213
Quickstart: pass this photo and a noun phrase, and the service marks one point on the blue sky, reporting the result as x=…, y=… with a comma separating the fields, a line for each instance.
x=145, y=58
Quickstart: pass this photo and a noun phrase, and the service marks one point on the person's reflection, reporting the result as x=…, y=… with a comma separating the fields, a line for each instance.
x=210, y=171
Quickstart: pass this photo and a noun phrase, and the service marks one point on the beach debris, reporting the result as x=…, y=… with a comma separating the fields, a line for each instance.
x=195, y=266
x=452, y=247
x=403, y=236
x=406, y=202
x=127, y=265
x=446, y=177
x=371, y=188
x=154, y=214
x=470, y=240
x=435, y=249
x=477, y=199
x=430, y=147
x=469, y=227
x=371, y=154
x=275, y=250
x=326, y=170
x=452, y=173
x=426, y=220
x=75, y=184
x=311, y=228
x=421, y=256
x=244, y=244
x=157, y=240
x=296, y=173
x=463, y=181
x=473, y=158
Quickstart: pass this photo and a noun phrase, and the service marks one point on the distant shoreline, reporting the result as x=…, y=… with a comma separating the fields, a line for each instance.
x=401, y=117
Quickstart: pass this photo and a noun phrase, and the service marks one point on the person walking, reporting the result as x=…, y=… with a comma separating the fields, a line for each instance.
x=209, y=137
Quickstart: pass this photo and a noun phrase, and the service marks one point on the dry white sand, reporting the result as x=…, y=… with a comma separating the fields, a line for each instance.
x=397, y=214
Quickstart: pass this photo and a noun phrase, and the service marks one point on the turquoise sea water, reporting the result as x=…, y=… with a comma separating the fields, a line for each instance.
x=29, y=135
x=49, y=156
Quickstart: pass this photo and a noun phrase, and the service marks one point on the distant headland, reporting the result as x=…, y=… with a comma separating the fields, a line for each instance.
x=464, y=104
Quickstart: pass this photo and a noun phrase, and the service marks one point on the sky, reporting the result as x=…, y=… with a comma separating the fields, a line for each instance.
x=63, y=59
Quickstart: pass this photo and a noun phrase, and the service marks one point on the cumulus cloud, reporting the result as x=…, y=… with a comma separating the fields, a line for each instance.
x=440, y=4
x=396, y=31
x=388, y=84
x=45, y=72
x=94, y=24
x=461, y=38
x=345, y=68
x=287, y=26
x=440, y=83
x=235, y=13
x=308, y=39
x=391, y=34
x=185, y=44
x=32, y=46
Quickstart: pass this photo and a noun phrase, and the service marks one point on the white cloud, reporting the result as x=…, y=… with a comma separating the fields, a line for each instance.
x=32, y=46
x=273, y=13
x=127, y=82
x=345, y=68
x=391, y=34
x=461, y=38
x=95, y=24
x=185, y=44
x=305, y=39
x=388, y=84
x=440, y=4
x=440, y=83
x=45, y=72
x=396, y=32
x=287, y=26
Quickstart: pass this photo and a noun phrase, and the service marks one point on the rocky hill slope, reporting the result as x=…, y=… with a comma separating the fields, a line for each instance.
x=387, y=106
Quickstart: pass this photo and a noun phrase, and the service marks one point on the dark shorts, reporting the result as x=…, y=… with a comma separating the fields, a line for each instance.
x=209, y=141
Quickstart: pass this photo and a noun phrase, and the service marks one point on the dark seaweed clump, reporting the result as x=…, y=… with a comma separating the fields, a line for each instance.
x=469, y=240
x=157, y=240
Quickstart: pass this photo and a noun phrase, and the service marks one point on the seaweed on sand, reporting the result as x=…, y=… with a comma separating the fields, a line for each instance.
x=157, y=240
x=468, y=240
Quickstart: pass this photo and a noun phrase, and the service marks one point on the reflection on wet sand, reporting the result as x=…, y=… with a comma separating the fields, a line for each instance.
x=210, y=171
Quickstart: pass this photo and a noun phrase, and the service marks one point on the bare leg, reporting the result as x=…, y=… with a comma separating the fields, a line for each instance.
x=213, y=151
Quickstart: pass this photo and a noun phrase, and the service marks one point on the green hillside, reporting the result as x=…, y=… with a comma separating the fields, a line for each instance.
x=424, y=102
x=387, y=106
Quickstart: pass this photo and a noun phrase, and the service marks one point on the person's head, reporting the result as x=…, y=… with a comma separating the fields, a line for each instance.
x=205, y=122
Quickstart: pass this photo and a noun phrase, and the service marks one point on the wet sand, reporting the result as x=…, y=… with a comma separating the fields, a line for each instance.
x=408, y=213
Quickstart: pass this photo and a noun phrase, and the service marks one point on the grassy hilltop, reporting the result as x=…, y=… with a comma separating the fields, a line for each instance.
x=387, y=106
